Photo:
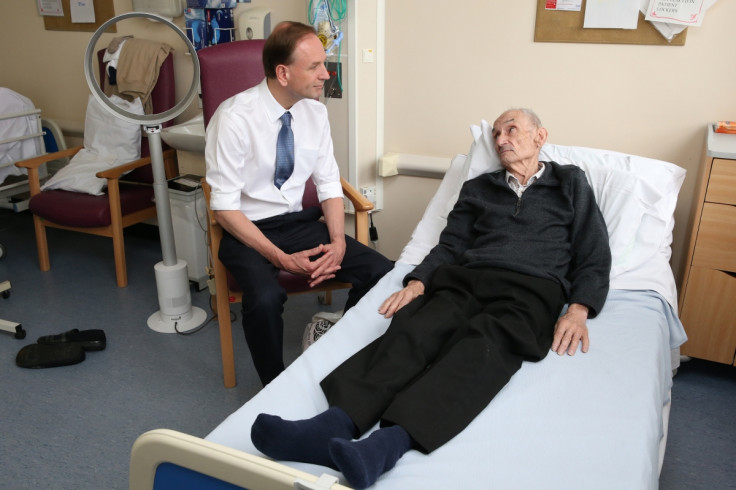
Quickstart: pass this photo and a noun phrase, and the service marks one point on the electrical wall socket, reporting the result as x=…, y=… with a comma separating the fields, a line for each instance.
x=369, y=193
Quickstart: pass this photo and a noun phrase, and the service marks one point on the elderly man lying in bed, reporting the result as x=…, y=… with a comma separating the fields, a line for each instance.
x=519, y=244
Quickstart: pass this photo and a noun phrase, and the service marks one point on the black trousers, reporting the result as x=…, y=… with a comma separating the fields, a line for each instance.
x=264, y=297
x=448, y=353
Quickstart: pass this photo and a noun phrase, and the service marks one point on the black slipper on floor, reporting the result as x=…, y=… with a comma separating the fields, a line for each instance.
x=36, y=356
x=88, y=339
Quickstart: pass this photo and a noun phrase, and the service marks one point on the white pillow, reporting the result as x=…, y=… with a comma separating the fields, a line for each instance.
x=623, y=199
x=484, y=157
x=654, y=235
x=427, y=232
x=108, y=141
x=666, y=178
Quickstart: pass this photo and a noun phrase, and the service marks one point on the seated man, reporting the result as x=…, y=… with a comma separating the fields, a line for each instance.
x=519, y=244
x=262, y=146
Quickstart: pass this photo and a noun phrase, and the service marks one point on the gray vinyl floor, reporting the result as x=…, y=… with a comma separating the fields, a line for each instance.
x=72, y=427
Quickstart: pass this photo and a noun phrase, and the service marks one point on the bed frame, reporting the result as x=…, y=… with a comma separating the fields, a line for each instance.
x=595, y=420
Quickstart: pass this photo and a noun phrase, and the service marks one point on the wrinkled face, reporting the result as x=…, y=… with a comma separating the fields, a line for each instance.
x=516, y=139
x=306, y=74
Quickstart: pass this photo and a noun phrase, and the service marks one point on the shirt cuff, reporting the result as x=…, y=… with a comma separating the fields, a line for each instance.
x=329, y=191
x=221, y=201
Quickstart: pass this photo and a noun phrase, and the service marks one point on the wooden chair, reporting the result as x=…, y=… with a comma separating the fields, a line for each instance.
x=122, y=205
x=226, y=70
x=227, y=291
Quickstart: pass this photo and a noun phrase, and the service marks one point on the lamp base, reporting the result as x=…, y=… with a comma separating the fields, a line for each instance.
x=162, y=323
x=176, y=313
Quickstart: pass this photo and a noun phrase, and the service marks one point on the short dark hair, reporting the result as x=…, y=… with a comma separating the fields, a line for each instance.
x=280, y=45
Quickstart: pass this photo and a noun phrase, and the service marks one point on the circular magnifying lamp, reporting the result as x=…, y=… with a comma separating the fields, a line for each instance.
x=175, y=301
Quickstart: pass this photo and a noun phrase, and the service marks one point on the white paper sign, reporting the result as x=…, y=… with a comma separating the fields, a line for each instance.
x=82, y=11
x=682, y=12
x=611, y=14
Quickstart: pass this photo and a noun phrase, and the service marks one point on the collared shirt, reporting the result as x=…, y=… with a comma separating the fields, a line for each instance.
x=240, y=154
x=517, y=186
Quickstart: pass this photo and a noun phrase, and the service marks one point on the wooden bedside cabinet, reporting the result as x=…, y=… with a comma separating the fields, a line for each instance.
x=708, y=292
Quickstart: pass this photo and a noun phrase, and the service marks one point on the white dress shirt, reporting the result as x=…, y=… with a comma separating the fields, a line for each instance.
x=240, y=154
x=517, y=186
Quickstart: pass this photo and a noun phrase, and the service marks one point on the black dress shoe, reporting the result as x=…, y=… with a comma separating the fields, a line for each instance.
x=87, y=339
x=36, y=356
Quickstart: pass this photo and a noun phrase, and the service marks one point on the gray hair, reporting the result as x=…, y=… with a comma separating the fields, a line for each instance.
x=530, y=114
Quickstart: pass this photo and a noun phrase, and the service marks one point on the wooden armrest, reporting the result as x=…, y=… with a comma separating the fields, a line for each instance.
x=32, y=164
x=118, y=171
x=207, y=191
x=360, y=203
x=362, y=207
x=36, y=162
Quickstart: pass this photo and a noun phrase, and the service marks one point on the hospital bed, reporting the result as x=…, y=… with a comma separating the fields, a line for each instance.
x=594, y=420
x=23, y=135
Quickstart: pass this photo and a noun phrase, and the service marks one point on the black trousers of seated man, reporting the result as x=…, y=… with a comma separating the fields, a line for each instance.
x=446, y=354
x=263, y=296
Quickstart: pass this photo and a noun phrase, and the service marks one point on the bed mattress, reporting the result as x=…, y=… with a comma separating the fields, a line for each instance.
x=592, y=420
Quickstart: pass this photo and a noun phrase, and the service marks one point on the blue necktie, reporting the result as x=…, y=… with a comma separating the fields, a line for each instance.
x=284, y=152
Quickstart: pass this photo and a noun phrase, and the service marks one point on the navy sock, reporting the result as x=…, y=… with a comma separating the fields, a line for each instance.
x=362, y=462
x=301, y=440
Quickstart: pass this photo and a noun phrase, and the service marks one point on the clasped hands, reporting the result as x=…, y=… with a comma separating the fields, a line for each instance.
x=319, y=264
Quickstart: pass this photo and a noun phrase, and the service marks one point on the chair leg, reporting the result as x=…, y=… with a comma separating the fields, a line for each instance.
x=42, y=245
x=118, y=243
x=226, y=339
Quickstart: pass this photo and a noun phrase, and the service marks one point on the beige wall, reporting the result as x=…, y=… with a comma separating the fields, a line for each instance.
x=451, y=64
x=47, y=66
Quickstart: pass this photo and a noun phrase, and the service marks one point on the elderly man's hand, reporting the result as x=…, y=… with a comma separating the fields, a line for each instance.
x=571, y=330
x=401, y=298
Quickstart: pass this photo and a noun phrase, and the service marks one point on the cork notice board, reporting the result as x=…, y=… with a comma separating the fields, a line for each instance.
x=104, y=11
x=555, y=26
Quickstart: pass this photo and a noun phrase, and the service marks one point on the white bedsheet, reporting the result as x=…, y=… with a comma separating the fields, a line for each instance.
x=589, y=421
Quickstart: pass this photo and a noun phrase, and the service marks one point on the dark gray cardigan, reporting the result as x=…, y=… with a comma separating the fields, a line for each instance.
x=555, y=231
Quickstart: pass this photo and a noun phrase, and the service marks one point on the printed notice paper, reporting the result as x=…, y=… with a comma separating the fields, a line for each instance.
x=50, y=7
x=683, y=12
x=570, y=5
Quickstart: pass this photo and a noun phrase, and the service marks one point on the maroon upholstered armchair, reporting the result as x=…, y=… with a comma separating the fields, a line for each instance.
x=225, y=70
x=123, y=203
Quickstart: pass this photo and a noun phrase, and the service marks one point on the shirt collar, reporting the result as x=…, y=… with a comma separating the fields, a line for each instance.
x=273, y=108
x=531, y=180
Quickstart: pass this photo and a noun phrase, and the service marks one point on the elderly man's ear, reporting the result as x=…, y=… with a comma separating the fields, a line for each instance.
x=541, y=137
